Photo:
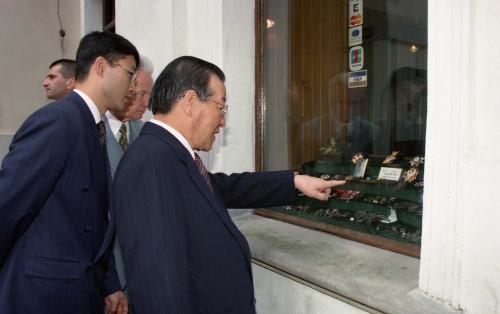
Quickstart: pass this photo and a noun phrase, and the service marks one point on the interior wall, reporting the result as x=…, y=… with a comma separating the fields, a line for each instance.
x=30, y=41
x=220, y=31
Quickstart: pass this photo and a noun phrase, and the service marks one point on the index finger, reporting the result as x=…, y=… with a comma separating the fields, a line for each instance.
x=333, y=183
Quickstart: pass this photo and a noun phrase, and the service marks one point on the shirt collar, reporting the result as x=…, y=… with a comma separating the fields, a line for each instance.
x=115, y=124
x=176, y=134
x=92, y=106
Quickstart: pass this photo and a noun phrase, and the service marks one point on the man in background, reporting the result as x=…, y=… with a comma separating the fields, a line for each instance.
x=60, y=79
x=122, y=127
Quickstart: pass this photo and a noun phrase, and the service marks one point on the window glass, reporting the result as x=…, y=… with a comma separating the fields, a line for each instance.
x=345, y=78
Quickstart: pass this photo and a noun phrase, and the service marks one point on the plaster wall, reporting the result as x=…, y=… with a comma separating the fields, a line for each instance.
x=219, y=31
x=30, y=41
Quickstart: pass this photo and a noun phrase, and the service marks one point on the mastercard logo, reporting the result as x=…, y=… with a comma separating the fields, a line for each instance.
x=356, y=20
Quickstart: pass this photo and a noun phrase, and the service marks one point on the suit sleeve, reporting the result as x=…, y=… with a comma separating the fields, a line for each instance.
x=152, y=231
x=28, y=174
x=111, y=279
x=258, y=189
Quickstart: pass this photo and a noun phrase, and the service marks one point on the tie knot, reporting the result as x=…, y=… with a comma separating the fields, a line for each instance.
x=123, y=128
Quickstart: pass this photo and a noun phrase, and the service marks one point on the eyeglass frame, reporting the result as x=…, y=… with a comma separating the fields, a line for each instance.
x=221, y=106
x=133, y=74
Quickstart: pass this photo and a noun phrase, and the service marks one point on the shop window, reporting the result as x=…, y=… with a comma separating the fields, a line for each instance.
x=342, y=94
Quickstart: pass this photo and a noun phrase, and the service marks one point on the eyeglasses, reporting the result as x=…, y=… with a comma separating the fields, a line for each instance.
x=222, y=106
x=132, y=74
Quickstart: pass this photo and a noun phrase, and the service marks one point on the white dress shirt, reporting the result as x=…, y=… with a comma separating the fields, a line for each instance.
x=176, y=134
x=115, y=126
x=92, y=106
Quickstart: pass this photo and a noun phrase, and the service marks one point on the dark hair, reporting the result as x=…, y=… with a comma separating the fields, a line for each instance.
x=67, y=67
x=112, y=47
x=183, y=74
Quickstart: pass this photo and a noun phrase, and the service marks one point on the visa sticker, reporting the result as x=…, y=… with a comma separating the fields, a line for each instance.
x=357, y=79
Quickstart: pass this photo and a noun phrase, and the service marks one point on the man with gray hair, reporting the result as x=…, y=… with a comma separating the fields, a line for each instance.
x=122, y=127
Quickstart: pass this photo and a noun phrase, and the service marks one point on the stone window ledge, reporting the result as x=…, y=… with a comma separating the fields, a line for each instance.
x=378, y=279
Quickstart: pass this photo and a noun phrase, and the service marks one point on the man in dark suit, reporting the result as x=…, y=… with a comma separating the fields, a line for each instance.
x=182, y=252
x=55, y=231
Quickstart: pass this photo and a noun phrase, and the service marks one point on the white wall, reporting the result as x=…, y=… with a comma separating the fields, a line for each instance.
x=276, y=294
x=29, y=37
x=220, y=31
x=461, y=248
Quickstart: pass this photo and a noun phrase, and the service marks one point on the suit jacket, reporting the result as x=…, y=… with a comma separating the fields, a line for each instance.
x=54, y=228
x=182, y=252
x=115, y=151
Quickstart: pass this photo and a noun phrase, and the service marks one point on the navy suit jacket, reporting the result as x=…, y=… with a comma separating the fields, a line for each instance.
x=54, y=228
x=182, y=252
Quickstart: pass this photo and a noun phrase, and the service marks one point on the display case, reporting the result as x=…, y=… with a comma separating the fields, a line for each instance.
x=380, y=204
x=338, y=80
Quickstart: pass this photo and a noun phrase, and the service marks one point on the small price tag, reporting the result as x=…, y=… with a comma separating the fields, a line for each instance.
x=392, y=174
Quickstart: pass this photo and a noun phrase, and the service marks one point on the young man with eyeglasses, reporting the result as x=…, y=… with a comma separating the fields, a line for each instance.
x=55, y=224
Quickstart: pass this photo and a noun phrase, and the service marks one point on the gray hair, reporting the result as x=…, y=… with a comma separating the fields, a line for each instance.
x=146, y=65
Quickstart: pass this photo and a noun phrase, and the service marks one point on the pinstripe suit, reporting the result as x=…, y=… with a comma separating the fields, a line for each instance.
x=182, y=252
x=54, y=233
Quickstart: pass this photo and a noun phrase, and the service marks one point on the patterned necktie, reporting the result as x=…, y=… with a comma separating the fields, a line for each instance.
x=101, y=129
x=123, y=140
x=203, y=171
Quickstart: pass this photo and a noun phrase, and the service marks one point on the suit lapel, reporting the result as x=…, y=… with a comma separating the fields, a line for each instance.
x=215, y=203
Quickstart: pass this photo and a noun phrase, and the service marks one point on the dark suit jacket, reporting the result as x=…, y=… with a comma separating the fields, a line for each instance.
x=182, y=252
x=54, y=229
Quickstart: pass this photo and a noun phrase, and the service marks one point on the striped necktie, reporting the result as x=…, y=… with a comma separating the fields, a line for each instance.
x=203, y=171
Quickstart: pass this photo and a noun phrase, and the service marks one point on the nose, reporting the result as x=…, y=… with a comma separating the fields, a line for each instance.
x=45, y=83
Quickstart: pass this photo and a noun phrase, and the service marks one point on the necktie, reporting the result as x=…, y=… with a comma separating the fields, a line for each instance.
x=123, y=140
x=102, y=137
x=203, y=171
